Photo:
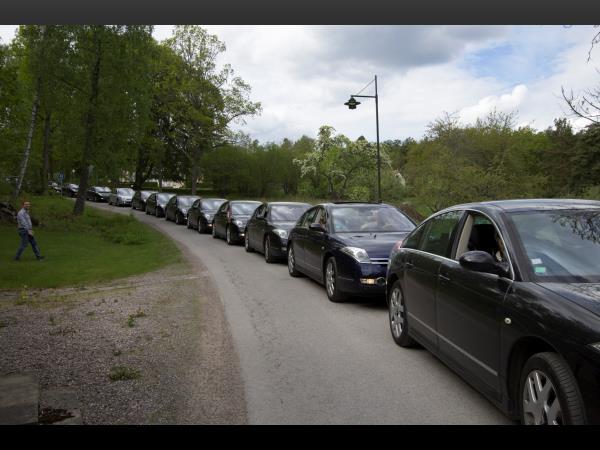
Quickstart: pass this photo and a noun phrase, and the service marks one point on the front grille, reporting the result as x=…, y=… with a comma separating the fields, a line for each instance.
x=382, y=261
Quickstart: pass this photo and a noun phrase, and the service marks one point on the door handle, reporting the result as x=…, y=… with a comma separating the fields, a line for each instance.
x=443, y=277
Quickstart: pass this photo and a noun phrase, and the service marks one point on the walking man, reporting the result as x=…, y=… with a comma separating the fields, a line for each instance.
x=26, y=232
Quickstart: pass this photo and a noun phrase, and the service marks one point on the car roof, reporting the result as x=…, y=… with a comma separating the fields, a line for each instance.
x=529, y=204
x=287, y=203
x=330, y=204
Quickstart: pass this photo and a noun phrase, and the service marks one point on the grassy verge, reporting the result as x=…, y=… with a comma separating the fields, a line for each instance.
x=98, y=246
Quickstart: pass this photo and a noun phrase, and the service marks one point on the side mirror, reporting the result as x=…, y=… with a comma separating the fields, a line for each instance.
x=317, y=227
x=479, y=261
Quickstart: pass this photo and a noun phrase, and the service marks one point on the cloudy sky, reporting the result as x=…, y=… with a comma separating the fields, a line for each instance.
x=302, y=75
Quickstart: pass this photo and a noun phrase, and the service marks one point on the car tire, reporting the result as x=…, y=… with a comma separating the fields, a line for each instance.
x=291, y=261
x=228, y=237
x=331, y=282
x=214, y=231
x=546, y=378
x=398, y=317
x=200, y=226
x=247, y=243
x=267, y=248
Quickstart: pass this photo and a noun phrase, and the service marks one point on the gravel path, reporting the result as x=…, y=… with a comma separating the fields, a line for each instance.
x=166, y=329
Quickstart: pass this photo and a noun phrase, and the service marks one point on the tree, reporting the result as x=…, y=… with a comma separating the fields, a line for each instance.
x=211, y=98
x=340, y=162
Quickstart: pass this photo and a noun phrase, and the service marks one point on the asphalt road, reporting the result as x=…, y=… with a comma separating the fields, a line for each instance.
x=306, y=360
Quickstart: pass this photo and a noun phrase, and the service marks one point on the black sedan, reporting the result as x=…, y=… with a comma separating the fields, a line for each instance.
x=230, y=220
x=139, y=199
x=200, y=215
x=268, y=228
x=507, y=294
x=98, y=194
x=157, y=203
x=178, y=206
x=346, y=246
x=70, y=190
x=121, y=197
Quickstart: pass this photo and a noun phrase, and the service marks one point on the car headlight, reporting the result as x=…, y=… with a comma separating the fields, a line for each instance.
x=359, y=254
x=239, y=223
x=283, y=234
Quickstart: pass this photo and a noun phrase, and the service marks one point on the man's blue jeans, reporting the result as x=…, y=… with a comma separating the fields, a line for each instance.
x=25, y=239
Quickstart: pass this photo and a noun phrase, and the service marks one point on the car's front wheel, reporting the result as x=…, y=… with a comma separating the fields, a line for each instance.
x=228, y=236
x=331, y=282
x=291, y=260
x=549, y=394
x=268, y=255
x=398, y=317
x=247, y=243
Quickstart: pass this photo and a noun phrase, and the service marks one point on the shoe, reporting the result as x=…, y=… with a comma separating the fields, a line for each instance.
x=40, y=258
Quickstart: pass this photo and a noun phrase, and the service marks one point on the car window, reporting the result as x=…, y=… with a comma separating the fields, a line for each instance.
x=260, y=211
x=309, y=217
x=321, y=217
x=195, y=204
x=412, y=241
x=223, y=207
x=439, y=232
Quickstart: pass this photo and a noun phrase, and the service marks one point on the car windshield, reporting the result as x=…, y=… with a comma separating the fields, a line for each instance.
x=561, y=245
x=244, y=208
x=287, y=213
x=210, y=205
x=369, y=219
x=164, y=197
x=125, y=191
x=186, y=202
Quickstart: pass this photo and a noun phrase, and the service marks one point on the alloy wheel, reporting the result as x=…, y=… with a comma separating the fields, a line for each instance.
x=291, y=261
x=247, y=243
x=330, y=278
x=267, y=250
x=541, y=405
x=397, y=312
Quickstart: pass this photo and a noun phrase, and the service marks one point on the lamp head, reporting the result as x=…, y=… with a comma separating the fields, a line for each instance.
x=352, y=103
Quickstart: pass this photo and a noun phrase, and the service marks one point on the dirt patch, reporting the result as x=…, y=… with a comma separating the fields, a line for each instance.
x=150, y=349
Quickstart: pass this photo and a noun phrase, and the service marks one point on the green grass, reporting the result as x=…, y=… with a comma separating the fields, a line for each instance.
x=96, y=247
x=118, y=373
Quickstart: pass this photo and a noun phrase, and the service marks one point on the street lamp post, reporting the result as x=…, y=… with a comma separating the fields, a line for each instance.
x=352, y=104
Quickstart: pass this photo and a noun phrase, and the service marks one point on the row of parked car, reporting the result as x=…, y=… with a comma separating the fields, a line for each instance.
x=506, y=293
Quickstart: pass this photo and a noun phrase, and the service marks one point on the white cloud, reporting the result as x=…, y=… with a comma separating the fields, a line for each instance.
x=302, y=75
x=501, y=103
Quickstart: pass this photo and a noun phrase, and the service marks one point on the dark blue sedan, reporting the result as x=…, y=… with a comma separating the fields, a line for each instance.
x=346, y=246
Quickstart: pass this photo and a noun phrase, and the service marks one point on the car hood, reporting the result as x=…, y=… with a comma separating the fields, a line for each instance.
x=212, y=212
x=377, y=245
x=244, y=218
x=586, y=295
